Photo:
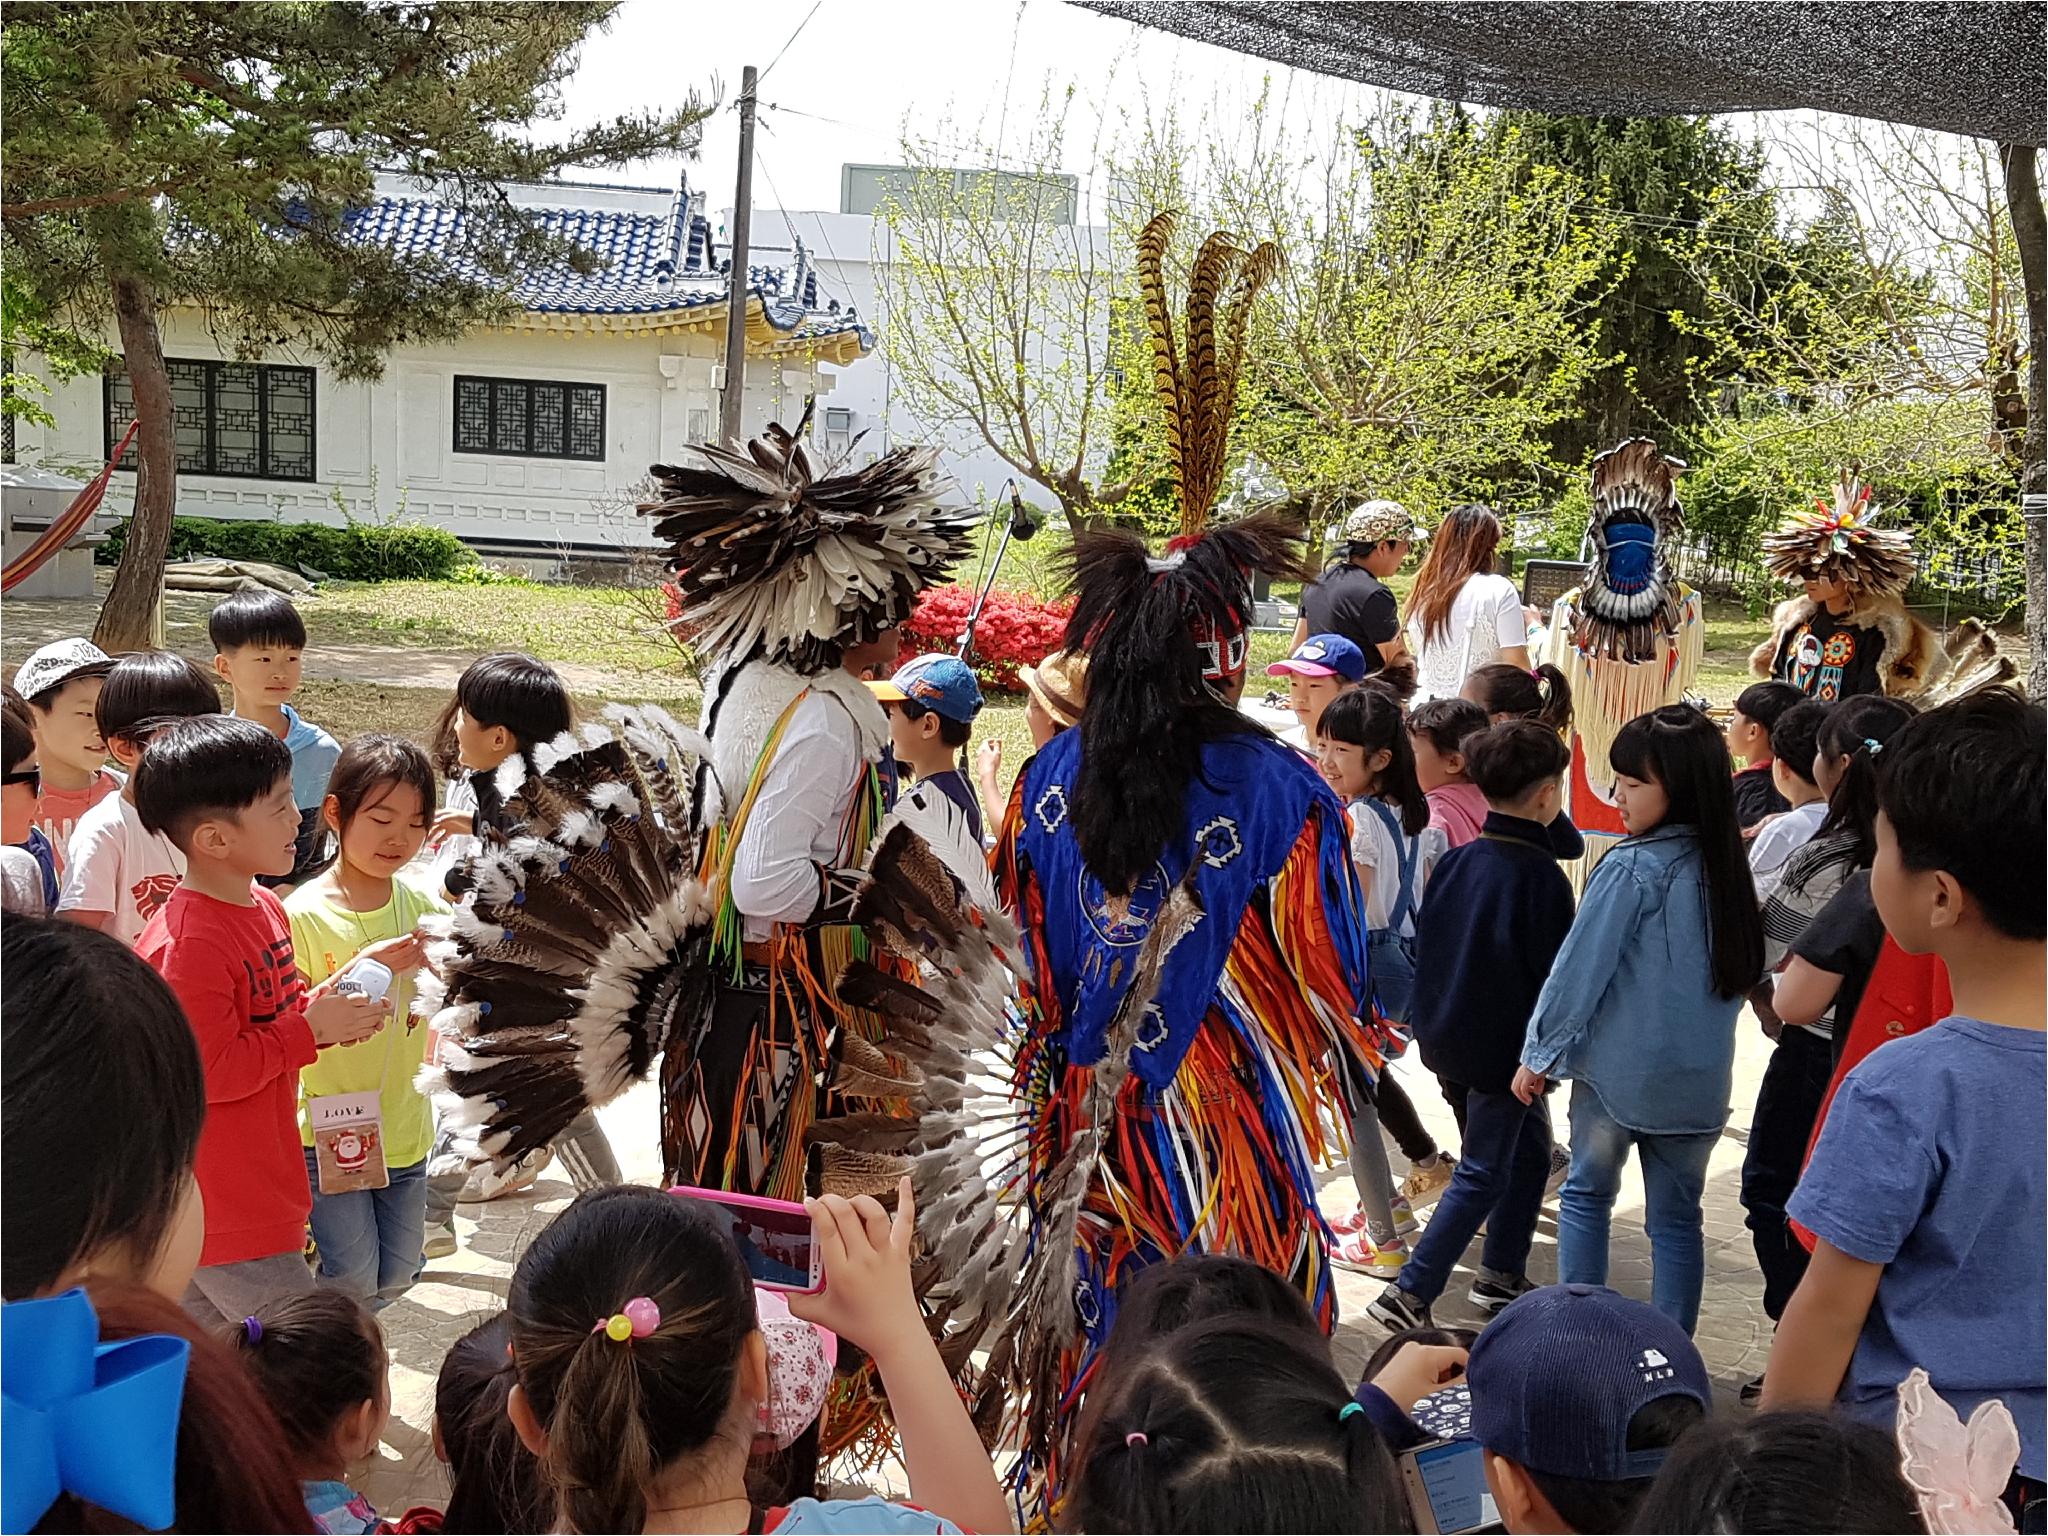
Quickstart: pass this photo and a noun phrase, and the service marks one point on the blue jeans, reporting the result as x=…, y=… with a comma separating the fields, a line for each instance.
x=1674, y=1174
x=1503, y=1162
x=371, y=1241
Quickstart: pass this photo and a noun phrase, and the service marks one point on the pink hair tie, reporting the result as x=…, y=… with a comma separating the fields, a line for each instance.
x=636, y=1320
x=1137, y=1437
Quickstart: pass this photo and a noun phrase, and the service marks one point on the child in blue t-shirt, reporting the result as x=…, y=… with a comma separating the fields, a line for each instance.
x=1926, y=1196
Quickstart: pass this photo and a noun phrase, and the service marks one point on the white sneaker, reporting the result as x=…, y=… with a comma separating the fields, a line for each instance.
x=491, y=1180
x=440, y=1241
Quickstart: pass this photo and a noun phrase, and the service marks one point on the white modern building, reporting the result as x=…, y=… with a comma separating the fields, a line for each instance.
x=534, y=436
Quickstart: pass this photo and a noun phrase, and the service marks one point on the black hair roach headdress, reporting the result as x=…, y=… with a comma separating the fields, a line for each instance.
x=1160, y=629
x=769, y=558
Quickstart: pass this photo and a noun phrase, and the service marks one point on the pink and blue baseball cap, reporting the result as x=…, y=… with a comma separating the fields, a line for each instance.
x=1323, y=656
x=941, y=683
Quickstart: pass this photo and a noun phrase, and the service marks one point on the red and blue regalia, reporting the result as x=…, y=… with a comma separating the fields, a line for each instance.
x=1193, y=941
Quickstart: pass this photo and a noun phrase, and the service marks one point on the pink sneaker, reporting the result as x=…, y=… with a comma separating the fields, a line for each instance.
x=1361, y=1255
x=1345, y=1226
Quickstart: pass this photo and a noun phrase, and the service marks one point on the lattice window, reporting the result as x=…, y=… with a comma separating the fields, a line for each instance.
x=529, y=418
x=244, y=420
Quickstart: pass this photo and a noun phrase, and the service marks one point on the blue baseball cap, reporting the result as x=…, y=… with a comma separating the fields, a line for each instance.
x=1558, y=1375
x=1323, y=656
x=943, y=684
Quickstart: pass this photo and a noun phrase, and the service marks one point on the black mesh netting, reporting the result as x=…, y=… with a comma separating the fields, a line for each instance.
x=1967, y=68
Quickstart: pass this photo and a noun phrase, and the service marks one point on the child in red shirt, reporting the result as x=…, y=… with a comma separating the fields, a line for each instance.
x=220, y=789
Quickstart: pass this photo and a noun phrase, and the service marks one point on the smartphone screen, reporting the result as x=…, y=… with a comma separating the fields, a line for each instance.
x=773, y=1236
x=1447, y=1491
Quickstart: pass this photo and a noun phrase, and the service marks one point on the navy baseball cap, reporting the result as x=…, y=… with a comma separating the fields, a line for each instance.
x=943, y=684
x=1323, y=656
x=1557, y=1376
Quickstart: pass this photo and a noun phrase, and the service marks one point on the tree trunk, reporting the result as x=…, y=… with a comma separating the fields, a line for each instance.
x=133, y=615
x=2030, y=230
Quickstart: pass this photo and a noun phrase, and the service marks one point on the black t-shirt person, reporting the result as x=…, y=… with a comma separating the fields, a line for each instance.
x=1349, y=600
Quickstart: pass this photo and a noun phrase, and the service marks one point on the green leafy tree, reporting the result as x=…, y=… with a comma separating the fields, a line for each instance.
x=999, y=304
x=1431, y=323
x=1655, y=182
x=207, y=154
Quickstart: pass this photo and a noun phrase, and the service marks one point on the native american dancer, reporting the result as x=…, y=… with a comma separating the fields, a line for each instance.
x=689, y=898
x=1850, y=632
x=1629, y=639
x=1190, y=940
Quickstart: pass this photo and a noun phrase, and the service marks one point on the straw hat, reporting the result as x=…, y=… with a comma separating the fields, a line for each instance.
x=1060, y=684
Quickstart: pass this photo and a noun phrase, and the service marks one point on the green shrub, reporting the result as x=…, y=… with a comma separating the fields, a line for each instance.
x=358, y=552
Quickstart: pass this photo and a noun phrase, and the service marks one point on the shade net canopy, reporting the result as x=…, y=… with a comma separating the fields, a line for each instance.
x=1977, y=69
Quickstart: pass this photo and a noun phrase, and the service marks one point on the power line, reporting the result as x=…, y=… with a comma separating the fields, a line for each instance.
x=792, y=38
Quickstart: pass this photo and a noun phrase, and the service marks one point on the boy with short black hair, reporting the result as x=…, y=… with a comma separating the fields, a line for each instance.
x=1795, y=740
x=1925, y=1192
x=1498, y=912
x=221, y=791
x=1578, y=1395
x=259, y=644
x=61, y=684
x=931, y=703
x=116, y=871
x=1758, y=708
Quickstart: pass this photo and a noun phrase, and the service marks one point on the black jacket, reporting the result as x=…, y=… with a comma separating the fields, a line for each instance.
x=1497, y=913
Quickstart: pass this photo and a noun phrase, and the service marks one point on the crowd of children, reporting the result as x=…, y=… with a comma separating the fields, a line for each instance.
x=210, y=1058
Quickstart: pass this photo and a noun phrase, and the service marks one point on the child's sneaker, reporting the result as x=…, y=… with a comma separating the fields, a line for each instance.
x=1560, y=1165
x=1398, y=1312
x=1492, y=1291
x=1361, y=1255
x=1427, y=1180
x=1345, y=1226
x=1404, y=1217
x=440, y=1241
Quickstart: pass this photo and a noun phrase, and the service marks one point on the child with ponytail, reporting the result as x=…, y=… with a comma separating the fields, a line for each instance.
x=1639, y=1009
x=1821, y=970
x=318, y=1359
x=642, y=1369
x=1516, y=693
x=1234, y=1423
x=1363, y=753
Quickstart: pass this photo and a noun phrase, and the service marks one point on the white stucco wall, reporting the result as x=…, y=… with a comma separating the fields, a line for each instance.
x=387, y=447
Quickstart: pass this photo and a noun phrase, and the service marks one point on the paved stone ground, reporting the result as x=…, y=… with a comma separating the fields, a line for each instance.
x=458, y=1292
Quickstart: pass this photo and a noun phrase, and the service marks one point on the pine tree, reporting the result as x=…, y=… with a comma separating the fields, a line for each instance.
x=207, y=154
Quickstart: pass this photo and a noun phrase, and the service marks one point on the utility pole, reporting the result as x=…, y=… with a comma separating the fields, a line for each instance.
x=735, y=390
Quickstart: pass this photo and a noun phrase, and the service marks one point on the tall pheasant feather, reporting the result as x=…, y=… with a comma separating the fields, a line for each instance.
x=1202, y=428
x=1195, y=379
x=1152, y=243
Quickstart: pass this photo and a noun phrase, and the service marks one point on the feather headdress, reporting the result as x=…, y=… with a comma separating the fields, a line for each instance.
x=1195, y=377
x=770, y=558
x=1842, y=543
x=1630, y=600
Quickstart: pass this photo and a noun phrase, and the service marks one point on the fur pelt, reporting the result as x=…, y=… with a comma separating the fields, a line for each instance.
x=1913, y=658
x=740, y=712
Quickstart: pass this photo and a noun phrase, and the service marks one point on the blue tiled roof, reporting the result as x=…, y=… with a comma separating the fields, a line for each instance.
x=653, y=263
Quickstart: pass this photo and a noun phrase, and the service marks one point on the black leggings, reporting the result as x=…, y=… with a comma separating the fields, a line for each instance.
x=1399, y=1120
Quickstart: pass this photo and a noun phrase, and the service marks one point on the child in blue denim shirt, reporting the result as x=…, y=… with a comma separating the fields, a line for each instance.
x=1639, y=1010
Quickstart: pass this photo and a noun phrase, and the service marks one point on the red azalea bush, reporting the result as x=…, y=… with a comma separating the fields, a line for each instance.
x=1016, y=630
